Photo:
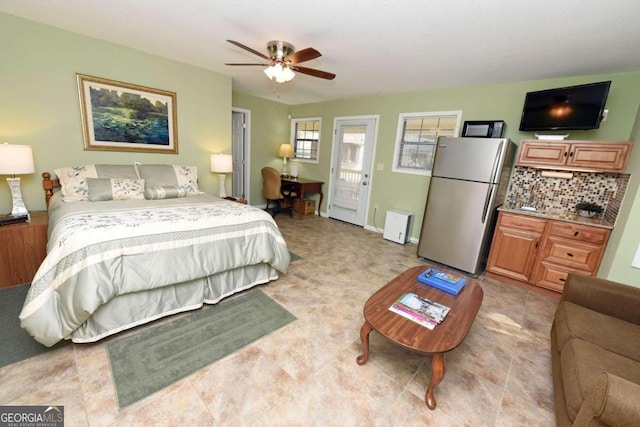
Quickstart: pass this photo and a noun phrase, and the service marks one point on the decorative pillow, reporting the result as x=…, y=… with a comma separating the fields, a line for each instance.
x=73, y=179
x=170, y=176
x=101, y=189
x=166, y=192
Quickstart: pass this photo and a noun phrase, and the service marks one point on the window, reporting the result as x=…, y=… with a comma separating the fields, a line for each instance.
x=417, y=137
x=305, y=139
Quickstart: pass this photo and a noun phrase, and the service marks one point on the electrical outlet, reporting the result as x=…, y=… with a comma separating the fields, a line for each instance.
x=375, y=207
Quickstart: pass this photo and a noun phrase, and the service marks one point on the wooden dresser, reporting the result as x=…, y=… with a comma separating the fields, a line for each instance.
x=23, y=247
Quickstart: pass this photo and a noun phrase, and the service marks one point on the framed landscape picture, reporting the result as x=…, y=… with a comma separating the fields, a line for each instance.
x=120, y=116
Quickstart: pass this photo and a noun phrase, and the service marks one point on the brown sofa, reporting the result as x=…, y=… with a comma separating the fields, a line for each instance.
x=595, y=349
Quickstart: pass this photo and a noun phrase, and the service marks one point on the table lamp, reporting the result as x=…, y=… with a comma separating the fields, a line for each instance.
x=16, y=160
x=285, y=150
x=221, y=164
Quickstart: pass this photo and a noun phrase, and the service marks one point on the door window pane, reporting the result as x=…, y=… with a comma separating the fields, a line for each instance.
x=347, y=185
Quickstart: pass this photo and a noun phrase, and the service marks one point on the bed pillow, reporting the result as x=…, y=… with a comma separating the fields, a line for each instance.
x=101, y=189
x=170, y=176
x=165, y=192
x=73, y=179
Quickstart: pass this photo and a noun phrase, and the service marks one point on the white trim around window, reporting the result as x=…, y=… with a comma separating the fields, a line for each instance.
x=417, y=137
x=305, y=139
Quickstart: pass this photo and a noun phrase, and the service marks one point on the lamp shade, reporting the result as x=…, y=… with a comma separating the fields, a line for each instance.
x=16, y=159
x=221, y=163
x=285, y=150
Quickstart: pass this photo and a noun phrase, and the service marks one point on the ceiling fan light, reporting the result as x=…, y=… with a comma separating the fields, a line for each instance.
x=270, y=72
x=288, y=74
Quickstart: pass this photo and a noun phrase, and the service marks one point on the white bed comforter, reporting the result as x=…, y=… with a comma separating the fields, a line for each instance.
x=154, y=257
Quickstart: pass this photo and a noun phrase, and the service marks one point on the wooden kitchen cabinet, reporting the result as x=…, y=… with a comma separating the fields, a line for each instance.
x=542, y=252
x=566, y=248
x=604, y=156
x=23, y=247
x=515, y=246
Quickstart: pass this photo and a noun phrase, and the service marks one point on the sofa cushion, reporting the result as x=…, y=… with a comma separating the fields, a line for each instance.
x=582, y=362
x=616, y=335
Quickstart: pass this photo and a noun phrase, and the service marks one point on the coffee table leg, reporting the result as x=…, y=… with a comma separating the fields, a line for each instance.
x=437, y=374
x=364, y=337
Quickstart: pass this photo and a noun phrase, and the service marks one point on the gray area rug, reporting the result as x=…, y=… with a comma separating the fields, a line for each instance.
x=15, y=343
x=150, y=360
x=294, y=257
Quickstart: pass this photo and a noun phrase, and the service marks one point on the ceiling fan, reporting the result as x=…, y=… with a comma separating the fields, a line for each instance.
x=283, y=60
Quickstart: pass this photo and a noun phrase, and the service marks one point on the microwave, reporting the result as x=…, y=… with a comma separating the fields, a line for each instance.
x=483, y=129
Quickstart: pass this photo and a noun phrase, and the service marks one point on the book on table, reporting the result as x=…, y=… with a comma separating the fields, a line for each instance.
x=421, y=310
x=442, y=280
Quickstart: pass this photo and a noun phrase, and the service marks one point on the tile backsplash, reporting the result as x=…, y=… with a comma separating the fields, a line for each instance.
x=529, y=187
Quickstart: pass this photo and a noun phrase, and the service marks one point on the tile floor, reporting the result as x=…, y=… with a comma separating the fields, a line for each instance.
x=305, y=374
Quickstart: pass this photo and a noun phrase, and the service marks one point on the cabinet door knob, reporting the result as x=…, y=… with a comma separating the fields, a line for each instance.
x=565, y=154
x=569, y=254
x=576, y=233
x=562, y=279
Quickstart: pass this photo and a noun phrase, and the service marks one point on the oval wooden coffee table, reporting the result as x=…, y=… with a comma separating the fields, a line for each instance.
x=444, y=337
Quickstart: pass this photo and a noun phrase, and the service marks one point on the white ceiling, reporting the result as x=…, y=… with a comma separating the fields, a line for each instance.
x=374, y=46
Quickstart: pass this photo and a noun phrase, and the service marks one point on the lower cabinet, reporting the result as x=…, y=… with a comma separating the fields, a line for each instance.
x=543, y=252
x=515, y=245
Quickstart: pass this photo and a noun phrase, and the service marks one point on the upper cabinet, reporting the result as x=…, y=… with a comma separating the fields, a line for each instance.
x=599, y=156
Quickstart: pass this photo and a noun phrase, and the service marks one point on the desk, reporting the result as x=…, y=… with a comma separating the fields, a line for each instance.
x=304, y=186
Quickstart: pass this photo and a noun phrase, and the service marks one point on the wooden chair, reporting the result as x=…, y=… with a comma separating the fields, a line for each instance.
x=272, y=191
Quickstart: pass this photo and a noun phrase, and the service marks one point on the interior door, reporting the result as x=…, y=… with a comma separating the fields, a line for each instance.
x=239, y=142
x=353, y=147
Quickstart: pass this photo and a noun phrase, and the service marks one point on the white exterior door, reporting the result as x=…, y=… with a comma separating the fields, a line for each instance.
x=352, y=152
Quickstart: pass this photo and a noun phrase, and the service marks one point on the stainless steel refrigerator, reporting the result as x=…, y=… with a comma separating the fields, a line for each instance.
x=468, y=183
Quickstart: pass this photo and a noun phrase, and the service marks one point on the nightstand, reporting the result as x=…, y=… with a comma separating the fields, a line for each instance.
x=22, y=249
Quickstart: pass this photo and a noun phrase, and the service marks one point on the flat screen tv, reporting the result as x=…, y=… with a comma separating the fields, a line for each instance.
x=565, y=108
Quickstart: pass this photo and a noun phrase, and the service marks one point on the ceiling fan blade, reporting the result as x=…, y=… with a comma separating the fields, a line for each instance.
x=247, y=48
x=303, y=55
x=262, y=65
x=313, y=72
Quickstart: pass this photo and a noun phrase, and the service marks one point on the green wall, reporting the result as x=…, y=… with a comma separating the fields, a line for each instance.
x=269, y=128
x=624, y=241
x=500, y=101
x=39, y=102
x=39, y=107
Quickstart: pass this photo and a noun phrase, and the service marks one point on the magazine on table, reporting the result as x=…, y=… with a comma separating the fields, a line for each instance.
x=421, y=310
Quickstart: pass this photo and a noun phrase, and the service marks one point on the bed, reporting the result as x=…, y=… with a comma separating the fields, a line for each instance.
x=115, y=262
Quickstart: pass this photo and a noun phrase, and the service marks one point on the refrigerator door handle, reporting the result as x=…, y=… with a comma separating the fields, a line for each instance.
x=496, y=163
x=487, y=202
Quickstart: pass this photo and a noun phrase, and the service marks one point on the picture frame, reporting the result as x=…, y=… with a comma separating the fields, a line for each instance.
x=119, y=116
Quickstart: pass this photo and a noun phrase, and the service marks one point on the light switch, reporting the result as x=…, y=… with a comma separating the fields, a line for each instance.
x=380, y=166
x=636, y=260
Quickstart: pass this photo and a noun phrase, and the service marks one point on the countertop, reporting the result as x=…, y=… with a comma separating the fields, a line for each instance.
x=560, y=216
